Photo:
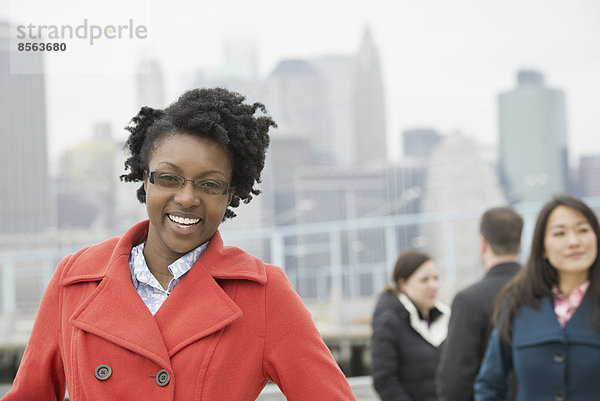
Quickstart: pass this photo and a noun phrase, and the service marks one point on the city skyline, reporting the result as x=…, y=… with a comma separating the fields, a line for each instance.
x=443, y=65
x=335, y=229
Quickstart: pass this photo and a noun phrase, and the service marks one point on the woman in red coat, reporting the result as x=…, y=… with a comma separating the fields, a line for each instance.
x=167, y=312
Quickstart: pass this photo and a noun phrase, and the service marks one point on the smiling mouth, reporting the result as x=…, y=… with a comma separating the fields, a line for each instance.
x=183, y=221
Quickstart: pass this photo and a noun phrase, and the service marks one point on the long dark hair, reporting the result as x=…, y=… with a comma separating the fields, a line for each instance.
x=406, y=264
x=538, y=276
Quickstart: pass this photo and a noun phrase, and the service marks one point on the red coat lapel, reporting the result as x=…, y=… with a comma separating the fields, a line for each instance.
x=196, y=308
x=114, y=310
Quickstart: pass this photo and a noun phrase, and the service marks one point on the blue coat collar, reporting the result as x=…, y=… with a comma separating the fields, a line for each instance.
x=532, y=326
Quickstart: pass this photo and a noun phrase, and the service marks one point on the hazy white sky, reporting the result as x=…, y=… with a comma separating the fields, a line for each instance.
x=444, y=62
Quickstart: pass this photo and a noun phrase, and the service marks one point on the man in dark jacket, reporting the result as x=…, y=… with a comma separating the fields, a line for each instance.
x=471, y=318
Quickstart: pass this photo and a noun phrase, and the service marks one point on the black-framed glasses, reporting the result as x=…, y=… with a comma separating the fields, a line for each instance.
x=175, y=181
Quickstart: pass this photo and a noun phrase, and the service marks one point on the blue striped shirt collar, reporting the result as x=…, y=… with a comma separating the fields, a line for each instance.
x=141, y=273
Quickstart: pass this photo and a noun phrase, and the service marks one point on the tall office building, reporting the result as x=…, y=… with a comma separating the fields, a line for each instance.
x=287, y=156
x=370, y=103
x=458, y=177
x=419, y=143
x=336, y=101
x=240, y=60
x=295, y=96
x=87, y=182
x=589, y=176
x=459, y=180
x=25, y=202
x=238, y=70
x=339, y=74
x=533, y=139
x=150, y=85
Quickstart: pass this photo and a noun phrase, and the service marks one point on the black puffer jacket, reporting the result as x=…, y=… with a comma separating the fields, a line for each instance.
x=403, y=362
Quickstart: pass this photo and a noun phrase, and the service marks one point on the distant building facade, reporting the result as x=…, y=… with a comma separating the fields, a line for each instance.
x=26, y=201
x=346, y=194
x=330, y=112
x=589, y=176
x=150, y=86
x=295, y=94
x=458, y=179
x=86, y=183
x=533, y=139
x=419, y=143
x=238, y=70
x=339, y=75
x=336, y=101
x=240, y=60
x=288, y=155
x=370, y=103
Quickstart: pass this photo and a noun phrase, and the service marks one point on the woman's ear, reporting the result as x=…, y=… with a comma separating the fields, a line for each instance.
x=231, y=193
x=401, y=284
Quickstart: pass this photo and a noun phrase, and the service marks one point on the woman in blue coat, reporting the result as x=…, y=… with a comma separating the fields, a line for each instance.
x=548, y=326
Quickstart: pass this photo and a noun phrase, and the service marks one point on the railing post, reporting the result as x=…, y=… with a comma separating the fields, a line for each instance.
x=391, y=250
x=278, y=250
x=335, y=265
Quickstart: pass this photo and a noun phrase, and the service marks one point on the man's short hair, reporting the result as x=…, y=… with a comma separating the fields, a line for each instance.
x=501, y=227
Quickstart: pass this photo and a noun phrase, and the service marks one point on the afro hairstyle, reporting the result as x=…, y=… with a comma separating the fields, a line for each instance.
x=217, y=114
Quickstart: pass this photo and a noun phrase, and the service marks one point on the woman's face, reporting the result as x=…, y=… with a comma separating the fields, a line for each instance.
x=422, y=286
x=191, y=157
x=570, y=244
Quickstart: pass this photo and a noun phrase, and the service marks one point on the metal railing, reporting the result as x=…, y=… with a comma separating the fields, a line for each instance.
x=327, y=262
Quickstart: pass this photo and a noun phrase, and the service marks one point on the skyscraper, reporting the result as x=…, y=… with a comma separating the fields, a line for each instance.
x=533, y=139
x=589, y=175
x=87, y=180
x=420, y=142
x=238, y=70
x=288, y=155
x=150, y=84
x=370, y=104
x=336, y=102
x=458, y=180
x=240, y=60
x=339, y=74
x=295, y=96
x=25, y=202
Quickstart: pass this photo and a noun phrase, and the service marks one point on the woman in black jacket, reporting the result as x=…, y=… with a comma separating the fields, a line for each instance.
x=409, y=326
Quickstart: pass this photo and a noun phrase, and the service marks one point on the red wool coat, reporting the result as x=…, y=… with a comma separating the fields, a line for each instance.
x=230, y=324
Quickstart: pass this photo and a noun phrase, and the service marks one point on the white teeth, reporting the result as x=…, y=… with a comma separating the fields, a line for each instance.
x=183, y=220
